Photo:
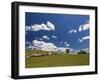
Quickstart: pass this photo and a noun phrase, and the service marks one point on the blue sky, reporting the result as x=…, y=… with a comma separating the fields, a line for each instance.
x=70, y=30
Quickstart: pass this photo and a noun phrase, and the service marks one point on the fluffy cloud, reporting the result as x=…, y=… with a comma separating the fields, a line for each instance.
x=50, y=25
x=28, y=28
x=33, y=47
x=48, y=47
x=83, y=38
x=80, y=28
x=72, y=31
x=37, y=43
x=66, y=44
x=86, y=37
x=44, y=45
x=80, y=40
x=84, y=27
x=53, y=36
x=45, y=37
x=37, y=27
x=61, y=49
x=44, y=27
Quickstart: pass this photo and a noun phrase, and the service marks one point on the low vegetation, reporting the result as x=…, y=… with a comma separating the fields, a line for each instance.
x=54, y=60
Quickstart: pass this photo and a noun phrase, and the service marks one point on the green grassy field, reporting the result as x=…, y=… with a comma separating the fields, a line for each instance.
x=55, y=60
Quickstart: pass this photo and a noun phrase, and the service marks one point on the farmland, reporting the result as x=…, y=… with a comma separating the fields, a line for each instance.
x=55, y=60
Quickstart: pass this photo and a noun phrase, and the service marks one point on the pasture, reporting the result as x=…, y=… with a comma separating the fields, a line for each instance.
x=55, y=60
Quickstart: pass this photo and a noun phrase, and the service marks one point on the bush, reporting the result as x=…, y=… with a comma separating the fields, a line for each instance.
x=82, y=52
x=67, y=51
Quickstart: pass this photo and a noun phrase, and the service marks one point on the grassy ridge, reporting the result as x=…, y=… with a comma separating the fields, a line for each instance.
x=56, y=60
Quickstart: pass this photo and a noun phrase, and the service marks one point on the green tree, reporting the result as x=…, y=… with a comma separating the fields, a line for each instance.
x=82, y=52
x=67, y=51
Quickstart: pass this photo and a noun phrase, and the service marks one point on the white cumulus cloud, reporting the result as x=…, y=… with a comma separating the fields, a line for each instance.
x=44, y=45
x=28, y=28
x=66, y=44
x=53, y=36
x=80, y=40
x=44, y=27
x=48, y=46
x=84, y=27
x=37, y=43
x=86, y=37
x=61, y=49
x=45, y=37
x=37, y=27
x=80, y=28
x=83, y=38
x=72, y=31
x=50, y=25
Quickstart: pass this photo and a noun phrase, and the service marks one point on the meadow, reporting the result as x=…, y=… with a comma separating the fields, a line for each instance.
x=55, y=60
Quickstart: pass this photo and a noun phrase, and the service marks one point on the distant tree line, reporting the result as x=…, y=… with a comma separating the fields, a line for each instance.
x=80, y=52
